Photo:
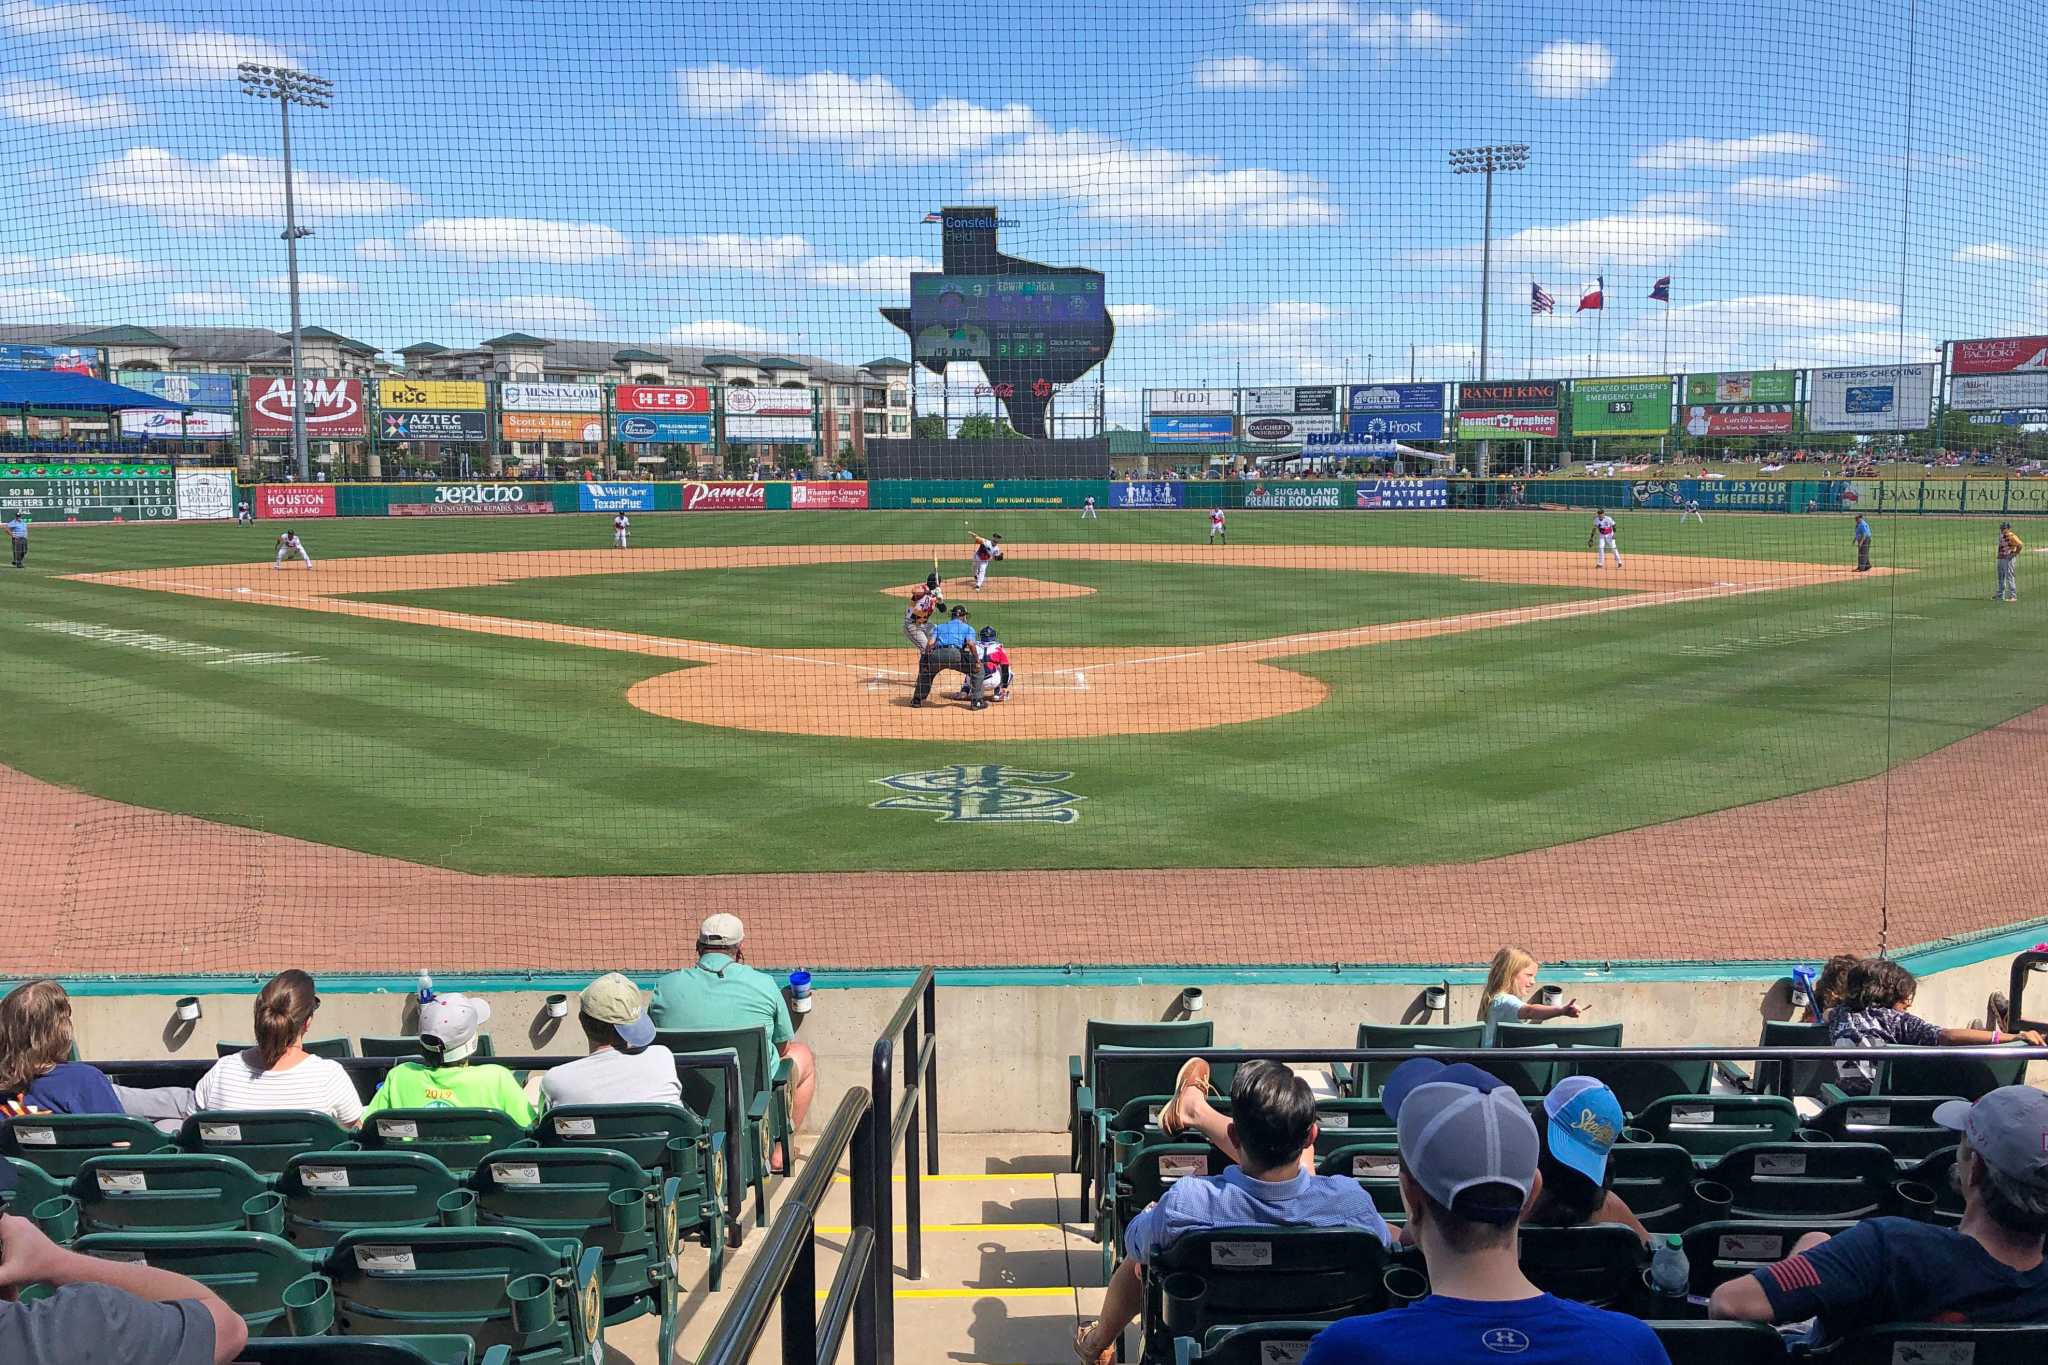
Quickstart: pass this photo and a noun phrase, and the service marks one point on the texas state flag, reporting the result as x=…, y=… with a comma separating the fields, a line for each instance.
x=1591, y=295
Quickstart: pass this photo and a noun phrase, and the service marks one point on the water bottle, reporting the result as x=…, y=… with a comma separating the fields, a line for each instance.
x=1670, y=1273
x=799, y=992
x=426, y=986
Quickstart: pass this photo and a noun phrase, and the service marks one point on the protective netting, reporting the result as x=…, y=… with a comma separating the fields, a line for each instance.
x=1259, y=378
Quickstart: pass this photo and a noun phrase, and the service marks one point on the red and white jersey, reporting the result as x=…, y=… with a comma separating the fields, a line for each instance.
x=1216, y=517
x=922, y=605
x=1604, y=525
x=984, y=549
x=620, y=523
x=993, y=653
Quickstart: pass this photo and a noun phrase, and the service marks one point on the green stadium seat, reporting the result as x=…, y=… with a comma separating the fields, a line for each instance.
x=418, y=1350
x=333, y=1048
x=1721, y=1343
x=667, y=1142
x=1600, y=1264
x=1376, y=1166
x=408, y=1045
x=1117, y=1080
x=32, y=1186
x=329, y=1194
x=1228, y=1277
x=1901, y=1124
x=1140, y=1177
x=1085, y=1095
x=1972, y=1075
x=1723, y=1250
x=1421, y=1037
x=1640, y=1083
x=172, y=1192
x=61, y=1144
x=1933, y=1174
x=764, y=1083
x=1531, y=1078
x=263, y=1138
x=1771, y=1180
x=1256, y=1343
x=1711, y=1126
x=1905, y=1343
x=457, y=1138
x=498, y=1286
x=1791, y=1079
x=1655, y=1180
x=598, y=1197
x=249, y=1270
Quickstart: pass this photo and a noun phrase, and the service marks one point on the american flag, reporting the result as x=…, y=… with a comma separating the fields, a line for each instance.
x=1540, y=302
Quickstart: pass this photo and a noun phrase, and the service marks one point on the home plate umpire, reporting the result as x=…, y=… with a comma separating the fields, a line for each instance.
x=952, y=647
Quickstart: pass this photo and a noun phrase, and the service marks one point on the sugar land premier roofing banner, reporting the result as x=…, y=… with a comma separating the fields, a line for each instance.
x=1190, y=400
x=1743, y=386
x=1518, y=424
x=334, y=408
x=1736, y=419
x=1998, y=355
x=1870, y=398
x=441, y=395
x=1622, y=407
x=1295, y=495
x=1998, y=392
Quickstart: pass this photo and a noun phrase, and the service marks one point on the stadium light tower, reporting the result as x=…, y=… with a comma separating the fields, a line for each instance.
x=289, y=87
x=1504, y=157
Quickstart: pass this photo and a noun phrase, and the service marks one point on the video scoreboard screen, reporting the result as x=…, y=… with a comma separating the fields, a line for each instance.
x=1007, y=317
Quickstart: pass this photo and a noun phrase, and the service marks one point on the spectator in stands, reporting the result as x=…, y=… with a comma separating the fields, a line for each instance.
x=37, y=1075
x=1988, y=1269
x=1830, y=986
x=625, y=1065
x=723, y=992
x=1469, y=1156
x=1272, y=1135
x=1875, y=1011
x=278, y=1073
x=104, y=1312
x=1583, y=1121
x=448, y=1036
x=1510, y=981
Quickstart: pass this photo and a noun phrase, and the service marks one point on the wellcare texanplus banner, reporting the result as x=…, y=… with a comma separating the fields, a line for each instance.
x=1622, y=407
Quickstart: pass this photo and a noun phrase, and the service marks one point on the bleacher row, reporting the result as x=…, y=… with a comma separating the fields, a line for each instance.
x=1719, y=1156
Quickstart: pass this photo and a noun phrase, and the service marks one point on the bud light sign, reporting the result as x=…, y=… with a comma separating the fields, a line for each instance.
x=615, y=497
x=1132, y=495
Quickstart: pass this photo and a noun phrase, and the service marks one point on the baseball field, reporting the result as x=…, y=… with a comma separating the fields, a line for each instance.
x=1453, y=719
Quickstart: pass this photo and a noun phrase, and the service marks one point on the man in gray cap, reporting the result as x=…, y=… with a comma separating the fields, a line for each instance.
x=1989, y=1269
x=1468, y=1174
x=723, y=992
x=625, y=1065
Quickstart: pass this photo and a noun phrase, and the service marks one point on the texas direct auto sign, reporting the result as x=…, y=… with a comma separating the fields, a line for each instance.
x=660, y=398
x=334, y=408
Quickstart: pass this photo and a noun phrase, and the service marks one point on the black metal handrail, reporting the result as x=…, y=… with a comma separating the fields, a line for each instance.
x=919, y=1031
x=786, y=1270
x=1567, y=1051
x=2024, y=966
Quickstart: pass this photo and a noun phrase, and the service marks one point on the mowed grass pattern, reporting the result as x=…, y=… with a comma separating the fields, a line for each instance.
x=503, y=755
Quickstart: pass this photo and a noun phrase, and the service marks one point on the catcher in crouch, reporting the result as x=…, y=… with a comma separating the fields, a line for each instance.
x=986, y=548
x=953, y=647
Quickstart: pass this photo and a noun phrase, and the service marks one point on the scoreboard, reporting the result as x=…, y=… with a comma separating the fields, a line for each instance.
x=1008, y=317
x=89, y=492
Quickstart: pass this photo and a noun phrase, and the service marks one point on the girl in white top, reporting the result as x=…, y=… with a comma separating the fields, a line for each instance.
x=278, y=1073
x=1509, y=984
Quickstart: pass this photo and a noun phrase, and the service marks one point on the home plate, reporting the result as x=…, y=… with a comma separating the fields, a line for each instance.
x=241, y=590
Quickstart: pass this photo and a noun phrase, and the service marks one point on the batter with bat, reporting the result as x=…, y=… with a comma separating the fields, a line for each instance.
x=917, y=618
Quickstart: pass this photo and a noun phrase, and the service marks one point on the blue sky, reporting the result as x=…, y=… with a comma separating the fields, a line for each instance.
x=1264, y=183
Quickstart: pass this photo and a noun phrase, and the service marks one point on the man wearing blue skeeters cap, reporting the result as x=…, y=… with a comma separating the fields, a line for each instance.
x=1469, y=1155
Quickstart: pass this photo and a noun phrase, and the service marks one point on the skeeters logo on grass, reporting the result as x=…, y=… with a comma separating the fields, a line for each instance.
x=982, y=793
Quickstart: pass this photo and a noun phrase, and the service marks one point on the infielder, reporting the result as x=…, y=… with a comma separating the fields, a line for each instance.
x=287, y=546
x=1217, y=528
x=917, y=618
x=1603, y=532
x=1088, y=509
x=242, y=517
x=986, y=549
x=1692, y=509
x=2009, y=548
x=621, y=525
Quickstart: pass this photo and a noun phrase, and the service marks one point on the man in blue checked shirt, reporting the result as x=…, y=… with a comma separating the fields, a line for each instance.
x=952, y=647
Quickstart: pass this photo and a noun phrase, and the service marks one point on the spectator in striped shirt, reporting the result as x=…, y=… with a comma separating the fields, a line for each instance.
x=278, y=1073
x=1875, y=1010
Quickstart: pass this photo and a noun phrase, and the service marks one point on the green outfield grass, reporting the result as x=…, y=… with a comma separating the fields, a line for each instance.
x=507, y=755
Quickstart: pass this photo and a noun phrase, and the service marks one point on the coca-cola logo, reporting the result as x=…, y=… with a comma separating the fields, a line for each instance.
x=714, y=497
x=1269, y=429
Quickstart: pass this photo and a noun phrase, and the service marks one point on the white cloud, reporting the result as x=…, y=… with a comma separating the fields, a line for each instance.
x=207, y=302
x=379, y=249
x=1671, y=201
x=870, y=119
x=1564, y=69
x=33, y=303
x=1340, y=19
x=1286, y=340
x=1138, y=314
x=725, y=251
x=740, y=336
x=1701, y=153
x=1773, y=329
x=234, y=187
x=1618, y=239
x=1768, y=188
x=310, y=282
x=875, y=275
x=161, y=52
x=531, y=312
x=541, y=241
x=1117, y=181
x=55, y=105
x=1244, y=73
x=1782, y=312
x=99, y=267
x=95, y=64
x=1999, y=253
x=1857, y=348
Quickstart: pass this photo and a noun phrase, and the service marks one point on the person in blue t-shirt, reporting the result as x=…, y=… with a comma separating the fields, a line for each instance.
x=1272, y=1122
x=1988, y=1269
x=37, y=1075
x=1469, y=1155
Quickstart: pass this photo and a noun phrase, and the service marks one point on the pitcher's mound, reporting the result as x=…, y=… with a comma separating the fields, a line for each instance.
x=1004, y=589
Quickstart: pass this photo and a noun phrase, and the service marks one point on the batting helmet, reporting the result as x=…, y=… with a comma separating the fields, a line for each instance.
x=931, y=580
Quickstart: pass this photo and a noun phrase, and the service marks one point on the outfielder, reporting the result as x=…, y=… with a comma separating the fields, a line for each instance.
x=287, y=546
x=621, y=525
x=1603, y=532
x=917, y=618
x=1088, y=509
x=1692, y=509
x=986, y=548
x=242, y=517
x=1216, y=526
x=2009, y=548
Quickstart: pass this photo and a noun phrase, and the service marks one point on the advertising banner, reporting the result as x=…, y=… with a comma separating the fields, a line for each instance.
x=1993, y=392
x=69, y=359
x=1398, y=426
x=1743, y=386
x=1295, y=495
x=692, y=429
x=1395, y=398
x=447, y=395
x=1374, y=495
x=1189, y=400
x=1186, y=431
x=754, y=429
x=550, y=426
x=1870, y=398
x=1342, y=445
x=724, y=497
x=550, y=398
x=1136, y=495
x=1500, y=395
x=206, y=494
x=1517, y=424
x=196, y=425
x=770, y=402
x=192, y=390
x=1743, y=419
x=471, y=500
x=334, y=408
x=434, y=426
x=660, y=398
x=1622, y=407
x=2026, y=495
x=295, y=501
x=615, y=497
x=1998, y=355
x=845, y=495
x=1287, y=430
x=1284, y=401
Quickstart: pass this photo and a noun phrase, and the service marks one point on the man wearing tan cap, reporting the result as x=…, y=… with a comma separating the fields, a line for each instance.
x=625, y=1065
x=723, y=992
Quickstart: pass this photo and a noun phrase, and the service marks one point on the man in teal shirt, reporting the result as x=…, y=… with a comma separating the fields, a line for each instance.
x=723, y=992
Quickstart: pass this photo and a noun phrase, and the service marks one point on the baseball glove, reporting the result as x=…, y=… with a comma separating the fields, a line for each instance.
x=1589, y=540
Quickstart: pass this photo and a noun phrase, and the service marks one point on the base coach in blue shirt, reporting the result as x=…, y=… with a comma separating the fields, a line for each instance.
x=953, y=648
